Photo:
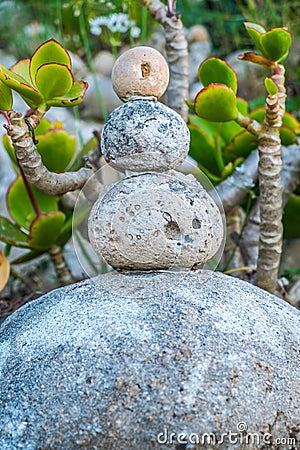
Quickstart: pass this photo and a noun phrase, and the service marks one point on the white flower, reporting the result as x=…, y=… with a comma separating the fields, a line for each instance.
x=118, y=23
x=135, y=32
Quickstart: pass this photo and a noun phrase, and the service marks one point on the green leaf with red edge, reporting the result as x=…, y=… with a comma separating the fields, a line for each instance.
x=242, y=105
x=6, y=98
x=9, y=148
x=258, y=114
x=21, y=68
x=18, y=84
x=45, y=229
x=72, y=98
x=240, y=146
x=290, y=121
x=276, y=43
x=53, y=80
x=217, y=103
x=288, y=135
x=215, y=70
x=57, y=149
x=10, y=233
x=290, y=218
x=44, y=126
x=255, y=31
x=19, y=204
x=228, y=130
x=202, y=149
x=271, y=87
x=50, y=51
x=211, y=128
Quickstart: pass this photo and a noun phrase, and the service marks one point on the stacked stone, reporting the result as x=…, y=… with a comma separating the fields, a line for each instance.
x=155, y=218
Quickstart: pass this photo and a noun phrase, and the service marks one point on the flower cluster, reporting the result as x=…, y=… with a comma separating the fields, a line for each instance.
x=116, y=23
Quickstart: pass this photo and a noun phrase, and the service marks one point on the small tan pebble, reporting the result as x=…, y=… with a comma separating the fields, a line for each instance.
x=198, y=33
x=140, y=71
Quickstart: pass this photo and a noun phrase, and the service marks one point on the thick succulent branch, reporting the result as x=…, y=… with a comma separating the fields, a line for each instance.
x=270, y=186
x=31, y=162
x=290, y=180
x=177, y=54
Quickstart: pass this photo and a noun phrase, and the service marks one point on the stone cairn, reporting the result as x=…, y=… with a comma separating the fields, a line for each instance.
x=156, y=218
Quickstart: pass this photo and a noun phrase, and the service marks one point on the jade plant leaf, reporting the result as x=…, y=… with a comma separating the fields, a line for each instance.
x=290, y=218
x=28, y=256
x=240, y=146
x=22, y=68
x=57, y=149
x=71, y=98
x=271, y=87
x=228, y=130
x=255, y=31
x=215, y=70
x=53, y=80
x=6, y=98
x=288, y=135
x=45, y=229
x=290, y=121
x=20, y=85
x=276, y=43
x=217, y=103
x=242, y=105
x=202, y=148
x=19, y=204
x=10, y=233
x=45, y=79
x=50, y=51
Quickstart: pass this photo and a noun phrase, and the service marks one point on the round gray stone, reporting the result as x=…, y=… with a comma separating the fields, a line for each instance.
x=144, y=135
x=85, y=368
x=154, y=221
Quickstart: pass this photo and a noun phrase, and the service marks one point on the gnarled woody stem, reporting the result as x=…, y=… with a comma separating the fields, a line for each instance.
x=31, y=162
x=270, y=186
x=177, y=55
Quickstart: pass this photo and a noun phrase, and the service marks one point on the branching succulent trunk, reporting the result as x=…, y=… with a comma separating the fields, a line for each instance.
x=290, y=180
x=31, y=162
x=177, y=54
x=270, y=186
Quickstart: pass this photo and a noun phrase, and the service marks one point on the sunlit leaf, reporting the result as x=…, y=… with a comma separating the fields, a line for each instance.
x=19, y=85
x=6, y=98
x=242, y=105
x=271, y=87
x=50, y=51
x=290, y=121
x=10, y=233
x=217, y=103
x=215, y=70
x=57, y=149
x=240, y=146
x=53, y=80
x=73, y=97
x=276, y=43
x=22, y=68
x=19, y=204
x=255, y=31
x=202, y=148
x=45, y=230
x=288, y=135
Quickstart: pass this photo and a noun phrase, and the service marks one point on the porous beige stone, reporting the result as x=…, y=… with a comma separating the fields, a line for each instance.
x=156, y=221
x=140, y=71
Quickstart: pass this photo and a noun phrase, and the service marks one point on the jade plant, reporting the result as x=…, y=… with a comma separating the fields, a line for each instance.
x=41, y=153
x=239, y=131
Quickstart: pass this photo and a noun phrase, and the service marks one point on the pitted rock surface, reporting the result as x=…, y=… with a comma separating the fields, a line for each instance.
x=154, y=221
x=82, y=368
x=144, y=135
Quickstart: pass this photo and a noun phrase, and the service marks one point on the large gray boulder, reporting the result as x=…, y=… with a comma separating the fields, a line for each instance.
x=124, y=362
